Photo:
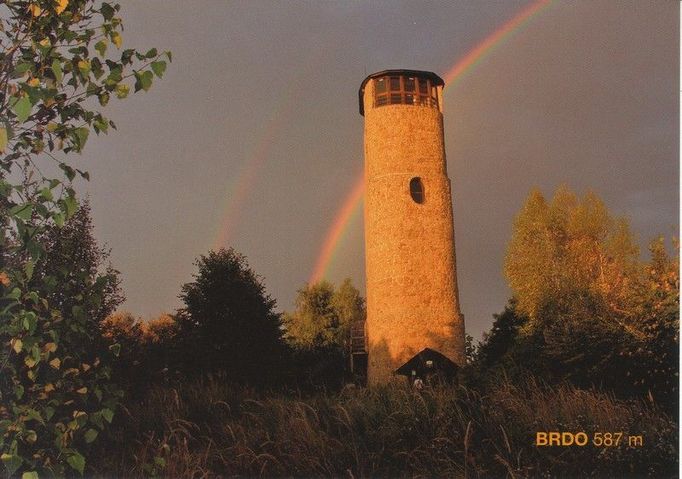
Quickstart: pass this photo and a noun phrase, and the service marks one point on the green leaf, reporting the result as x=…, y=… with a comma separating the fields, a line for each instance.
x=70, y=206
x=12, y=462
x=68, y=171
x=58, y=219
x=159, y=67
x=22, y=108
x=101, y=47
x=57, y=70
x=90, y=435
x=29, y=475
x=28, y=269
x=103, y=98
x=5, y=188
x=97, y=68
x=143, y=80
x=22, y=211
x=46, y=194
x=30, y=321
x=82, y=136
x=151, y=53
x=81, y=419
x=84, y=67
x=107, y=11
x=3, y=138
x=108, y=415
x=76, y=461
x=122, y=90
x=49, y=412
x=22, y=68
x=35, y=415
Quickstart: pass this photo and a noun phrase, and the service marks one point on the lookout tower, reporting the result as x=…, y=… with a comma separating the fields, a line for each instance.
x=412, y=296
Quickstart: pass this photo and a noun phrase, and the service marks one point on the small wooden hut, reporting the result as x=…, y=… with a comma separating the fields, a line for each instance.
x=430, y=366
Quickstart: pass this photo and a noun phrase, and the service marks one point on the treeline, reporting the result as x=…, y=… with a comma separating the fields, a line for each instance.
x=229, y=328
x=587, y=309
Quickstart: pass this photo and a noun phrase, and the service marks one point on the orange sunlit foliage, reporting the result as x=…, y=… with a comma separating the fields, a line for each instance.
x=123, y=324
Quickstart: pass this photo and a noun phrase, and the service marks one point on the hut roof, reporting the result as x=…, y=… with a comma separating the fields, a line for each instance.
x=419, y=364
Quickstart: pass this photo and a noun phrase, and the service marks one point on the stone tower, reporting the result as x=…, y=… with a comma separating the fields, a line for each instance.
x=412, y=296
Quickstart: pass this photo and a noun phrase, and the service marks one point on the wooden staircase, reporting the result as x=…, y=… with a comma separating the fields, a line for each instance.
x=358, y=341
x=358, y=349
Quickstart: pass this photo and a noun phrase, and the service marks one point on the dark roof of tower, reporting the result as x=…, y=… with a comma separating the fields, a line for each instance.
x=418, y=73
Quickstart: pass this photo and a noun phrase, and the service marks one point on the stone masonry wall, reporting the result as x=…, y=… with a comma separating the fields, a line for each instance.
x=412, y=297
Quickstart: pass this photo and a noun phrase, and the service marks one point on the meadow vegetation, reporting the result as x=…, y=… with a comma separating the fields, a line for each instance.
x=211, y=428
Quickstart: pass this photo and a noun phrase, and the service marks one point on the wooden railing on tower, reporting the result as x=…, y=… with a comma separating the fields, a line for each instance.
x=358, y=341
x=358, y=352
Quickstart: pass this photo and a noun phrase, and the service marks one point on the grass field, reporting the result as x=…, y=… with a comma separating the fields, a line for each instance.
x=209, y=428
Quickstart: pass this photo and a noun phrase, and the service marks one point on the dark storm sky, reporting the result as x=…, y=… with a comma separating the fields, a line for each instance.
x=584, y=95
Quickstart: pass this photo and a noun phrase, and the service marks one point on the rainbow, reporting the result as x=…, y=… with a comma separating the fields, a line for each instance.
x=238, y=190
x=349, y=209
x=467, y=63
x=352, y=203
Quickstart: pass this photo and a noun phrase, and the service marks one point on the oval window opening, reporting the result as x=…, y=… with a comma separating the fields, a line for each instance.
x=417, y=190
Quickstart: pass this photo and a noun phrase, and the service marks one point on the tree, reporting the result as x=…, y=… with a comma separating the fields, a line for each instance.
x=655, y=354
x=323, y=316
x=56, y=64
x=75, y=270
x=318, y=331
x=148, y=348
x=502, y=336
x=596, y=312
x=566, y=248
x=229, y=323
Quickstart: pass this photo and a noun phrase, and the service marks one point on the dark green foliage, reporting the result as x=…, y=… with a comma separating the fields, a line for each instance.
x=653, y=357
x=502, y=335
x=587, y=351
x=75, y=271
x=149, y=349
x=229, y=323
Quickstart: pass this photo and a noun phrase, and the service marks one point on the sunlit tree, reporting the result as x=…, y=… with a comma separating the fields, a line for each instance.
x=597, y=313
x=324, y=315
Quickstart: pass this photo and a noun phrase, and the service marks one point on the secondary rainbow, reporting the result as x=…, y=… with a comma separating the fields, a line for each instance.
x=353, y=200
x=238, y=191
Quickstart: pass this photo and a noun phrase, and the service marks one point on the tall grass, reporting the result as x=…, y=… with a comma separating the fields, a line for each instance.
x=209, y=429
